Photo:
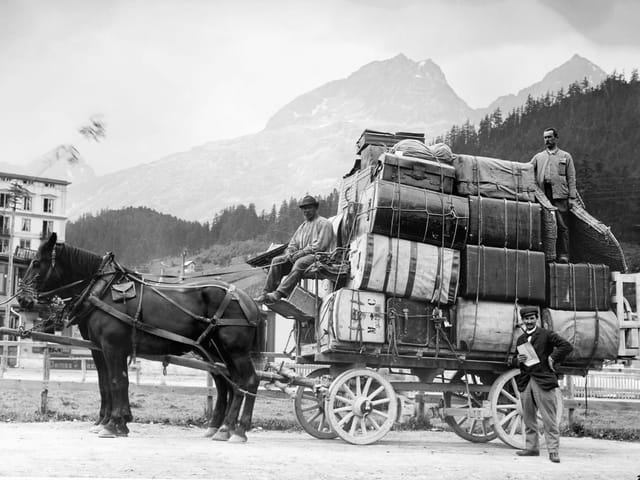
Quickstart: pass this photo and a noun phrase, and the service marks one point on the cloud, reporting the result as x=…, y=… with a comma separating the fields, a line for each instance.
x=611, y=22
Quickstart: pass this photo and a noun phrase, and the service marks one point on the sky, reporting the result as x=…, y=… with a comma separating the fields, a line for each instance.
x=169, y=75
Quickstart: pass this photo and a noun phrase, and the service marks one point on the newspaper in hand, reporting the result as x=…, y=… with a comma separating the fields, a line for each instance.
x=528, y=351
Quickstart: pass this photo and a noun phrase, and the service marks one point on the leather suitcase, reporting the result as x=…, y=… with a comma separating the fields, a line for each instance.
x=494, y=178
x=404, y=269
x=503, y=275
x=414, y=214
x=416, y=172
x=386, y=139
x=353, y=186
x=487, y=326
x=581, y=329
x=411, y=322
x=504, y=223
x=581, y=286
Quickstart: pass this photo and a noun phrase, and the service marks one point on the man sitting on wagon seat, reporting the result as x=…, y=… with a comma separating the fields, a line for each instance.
x=314, y=235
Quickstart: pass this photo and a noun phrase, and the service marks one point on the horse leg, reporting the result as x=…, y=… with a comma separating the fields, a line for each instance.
x=217, y=416
x=105, y=393
x=250, y=384
x=116, y=360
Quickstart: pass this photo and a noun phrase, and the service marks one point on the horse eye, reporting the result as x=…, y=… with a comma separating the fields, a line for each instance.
x=36, y=263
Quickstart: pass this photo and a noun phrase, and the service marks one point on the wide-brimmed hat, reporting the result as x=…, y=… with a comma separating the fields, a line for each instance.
x=524, y=311
x=308, y=200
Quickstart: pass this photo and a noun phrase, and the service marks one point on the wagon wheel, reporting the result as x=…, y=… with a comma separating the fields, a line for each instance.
x=477, y=430
x=506, y=410
x=362, y=406
x=309, y=407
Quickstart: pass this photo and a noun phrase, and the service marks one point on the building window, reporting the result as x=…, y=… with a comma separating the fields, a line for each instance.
x=47, y=228
x=5, y=224
x=24, y=243
x=4, y=245
x=3, y=279
x=26, y=224
x=5, y=200
x=47, y=206
x=26, y=204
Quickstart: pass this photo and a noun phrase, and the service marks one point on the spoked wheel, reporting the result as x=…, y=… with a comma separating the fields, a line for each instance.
x=362, y=406
x=475, y=424
x=309, y=407
x=506, y=409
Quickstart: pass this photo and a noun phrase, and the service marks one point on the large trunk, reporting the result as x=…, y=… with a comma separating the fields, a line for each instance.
x=578, y=286
x=490, y=177
x=353, y=316
x=385, y=139
x=413, y=214
x=404, y=269
x=411, y=323
x=486, y=326
x=503, y=275
x=416, y=172
x=504, y=223
x=593, y=335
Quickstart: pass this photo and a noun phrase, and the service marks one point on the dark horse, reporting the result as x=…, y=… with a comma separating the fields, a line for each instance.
x=217, y=321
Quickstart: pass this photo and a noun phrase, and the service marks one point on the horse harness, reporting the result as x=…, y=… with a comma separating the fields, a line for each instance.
x=111, y=272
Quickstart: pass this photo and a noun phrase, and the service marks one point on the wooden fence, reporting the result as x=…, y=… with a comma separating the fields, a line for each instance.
x=618, y=387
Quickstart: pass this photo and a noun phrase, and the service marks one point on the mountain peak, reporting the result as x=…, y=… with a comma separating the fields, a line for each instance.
x=397, y=92
x=574, y=69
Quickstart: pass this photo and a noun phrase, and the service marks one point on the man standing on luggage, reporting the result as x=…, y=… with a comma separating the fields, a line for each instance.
x=556, y=176
x=538, y=383
x=314, y=235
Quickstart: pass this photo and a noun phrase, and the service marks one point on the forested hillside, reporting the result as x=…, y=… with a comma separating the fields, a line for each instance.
x=138, y=234
x=598, y=125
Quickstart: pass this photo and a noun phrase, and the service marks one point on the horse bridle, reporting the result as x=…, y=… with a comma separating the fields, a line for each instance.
x=50, y=272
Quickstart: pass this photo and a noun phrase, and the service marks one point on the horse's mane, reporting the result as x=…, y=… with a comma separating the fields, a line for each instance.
x=84, y=261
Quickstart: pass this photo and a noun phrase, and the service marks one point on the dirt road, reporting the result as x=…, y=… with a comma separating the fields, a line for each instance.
x=67, y=449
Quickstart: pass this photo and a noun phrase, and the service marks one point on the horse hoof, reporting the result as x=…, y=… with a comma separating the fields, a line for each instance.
x=106, y=433
x=211, y=431
x=235, y=438
x=221, y=436
x=95, y=429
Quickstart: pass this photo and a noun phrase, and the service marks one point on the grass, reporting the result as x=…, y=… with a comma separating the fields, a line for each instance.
x=273, y=411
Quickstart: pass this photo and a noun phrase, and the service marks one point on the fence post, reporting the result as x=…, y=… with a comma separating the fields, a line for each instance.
x=571, y=390
x=45, y=380
x=209, y=407
x=83, y=367
x=418, y=406
x=3, y=358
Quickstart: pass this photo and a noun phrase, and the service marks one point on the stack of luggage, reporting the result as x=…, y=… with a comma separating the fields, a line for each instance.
x=445, y=249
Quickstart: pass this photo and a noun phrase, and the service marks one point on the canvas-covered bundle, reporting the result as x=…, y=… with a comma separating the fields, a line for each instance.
x=486, y=326
x=405, y=269
x=439, y=152
x=593, y=335
x=494, y=178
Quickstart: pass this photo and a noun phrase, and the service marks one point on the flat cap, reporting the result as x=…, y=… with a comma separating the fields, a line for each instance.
x=524, y=311
x=308, y=200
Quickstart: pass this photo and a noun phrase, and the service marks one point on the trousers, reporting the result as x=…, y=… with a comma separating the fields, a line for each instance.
x=562, y=220
x=281, y=266
x=535, y=399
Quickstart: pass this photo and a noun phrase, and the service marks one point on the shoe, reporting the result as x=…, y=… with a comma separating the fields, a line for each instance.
x=273, y=297
x=528, y=453
x=563, y=259
x=554, y=457
x=261, y=299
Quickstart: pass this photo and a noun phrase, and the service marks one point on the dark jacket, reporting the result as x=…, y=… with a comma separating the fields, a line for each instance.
x=546, y=344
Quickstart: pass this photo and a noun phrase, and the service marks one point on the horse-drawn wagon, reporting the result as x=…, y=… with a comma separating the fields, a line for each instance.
x=424, y=297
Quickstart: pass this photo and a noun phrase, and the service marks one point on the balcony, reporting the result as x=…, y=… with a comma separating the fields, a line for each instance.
x=25, y=253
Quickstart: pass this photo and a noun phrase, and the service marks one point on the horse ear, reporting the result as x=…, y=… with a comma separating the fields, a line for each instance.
x=51, y=243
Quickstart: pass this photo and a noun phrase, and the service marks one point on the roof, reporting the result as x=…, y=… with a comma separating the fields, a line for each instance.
x=19, y=176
